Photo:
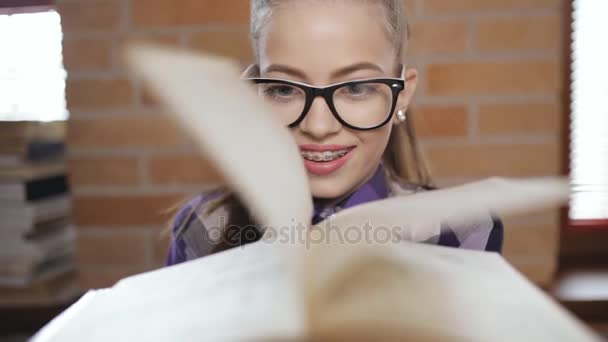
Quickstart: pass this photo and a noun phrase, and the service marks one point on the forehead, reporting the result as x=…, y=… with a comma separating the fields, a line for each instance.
x=318, y=38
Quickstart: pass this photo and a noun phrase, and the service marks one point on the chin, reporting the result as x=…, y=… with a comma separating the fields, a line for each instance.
x=327, y=188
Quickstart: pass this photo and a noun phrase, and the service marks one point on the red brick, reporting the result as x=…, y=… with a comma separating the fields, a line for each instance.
x=166, y=39
x=433, y=36
x=149, y=98
x=182, y=169
x=161, y=246
x=487, y=78
x=531, y=240
x=540, y=272
x=141, y=131
x=98, y=94
x=514, y=160
x=519, y=33
x=124, y=210
x=92, y=278
x=519, y=118
x=112, y=248
x=440, y=121
x=87, y=54
x=233, y=44
x=104, y=171
x=158, y=13
x=410, y=6
x=90, y=15
x=442, y=6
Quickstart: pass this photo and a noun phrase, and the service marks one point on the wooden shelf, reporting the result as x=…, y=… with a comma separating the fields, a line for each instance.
x=584, y=291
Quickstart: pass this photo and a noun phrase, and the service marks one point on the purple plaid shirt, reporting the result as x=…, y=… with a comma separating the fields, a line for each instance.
x=189, y=241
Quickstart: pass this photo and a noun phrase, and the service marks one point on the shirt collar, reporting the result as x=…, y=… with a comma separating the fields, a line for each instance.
x=374, y=189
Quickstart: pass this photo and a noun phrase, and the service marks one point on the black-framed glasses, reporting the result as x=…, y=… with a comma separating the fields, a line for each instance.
x=361, y=104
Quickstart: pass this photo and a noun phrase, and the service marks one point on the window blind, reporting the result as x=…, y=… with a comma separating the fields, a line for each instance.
x=589, y=111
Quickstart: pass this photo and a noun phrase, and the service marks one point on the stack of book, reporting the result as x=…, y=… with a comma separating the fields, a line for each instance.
x=37, y=240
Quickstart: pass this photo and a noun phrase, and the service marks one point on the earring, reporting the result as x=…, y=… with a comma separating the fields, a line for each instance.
x=401, y=116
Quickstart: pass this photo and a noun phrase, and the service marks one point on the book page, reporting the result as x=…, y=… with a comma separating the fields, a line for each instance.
x=414, y=215
x=367, y=290
x=233, y=127
x=241, y=294
x=423, y=292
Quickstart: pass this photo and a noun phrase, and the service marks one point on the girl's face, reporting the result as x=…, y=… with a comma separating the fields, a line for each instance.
x=322, y=44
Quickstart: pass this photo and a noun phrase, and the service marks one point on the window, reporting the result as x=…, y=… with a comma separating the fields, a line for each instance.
x=32, y=77
x=589, y=112
x=584, y=237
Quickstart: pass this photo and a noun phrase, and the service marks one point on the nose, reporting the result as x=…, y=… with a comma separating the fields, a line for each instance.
x=320, y=122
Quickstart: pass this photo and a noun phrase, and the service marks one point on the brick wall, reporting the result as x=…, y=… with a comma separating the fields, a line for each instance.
x=487, y=105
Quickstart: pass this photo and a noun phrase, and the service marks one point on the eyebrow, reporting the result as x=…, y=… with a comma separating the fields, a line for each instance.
x=356, y=67
x=342, y=72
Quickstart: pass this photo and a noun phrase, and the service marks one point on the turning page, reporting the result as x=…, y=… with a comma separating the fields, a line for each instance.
x=215, y=107
x=418, y=218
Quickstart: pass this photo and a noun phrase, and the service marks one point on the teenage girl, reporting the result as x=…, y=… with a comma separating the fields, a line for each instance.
x=334, y=73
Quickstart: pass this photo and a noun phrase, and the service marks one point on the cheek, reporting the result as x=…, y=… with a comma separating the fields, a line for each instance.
x=373, y=143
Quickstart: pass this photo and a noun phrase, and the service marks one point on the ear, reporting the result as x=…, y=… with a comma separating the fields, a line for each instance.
x=406, y=95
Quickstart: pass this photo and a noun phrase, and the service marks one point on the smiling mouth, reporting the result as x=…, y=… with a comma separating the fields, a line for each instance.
x=325, y=156
x=325, y=160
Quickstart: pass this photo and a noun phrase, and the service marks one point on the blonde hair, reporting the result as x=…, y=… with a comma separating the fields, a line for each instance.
x=396, y=21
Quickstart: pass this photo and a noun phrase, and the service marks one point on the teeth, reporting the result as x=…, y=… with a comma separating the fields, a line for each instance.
x=323, y=156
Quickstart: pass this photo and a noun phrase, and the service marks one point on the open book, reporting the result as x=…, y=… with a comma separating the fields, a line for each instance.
x=315, y=289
